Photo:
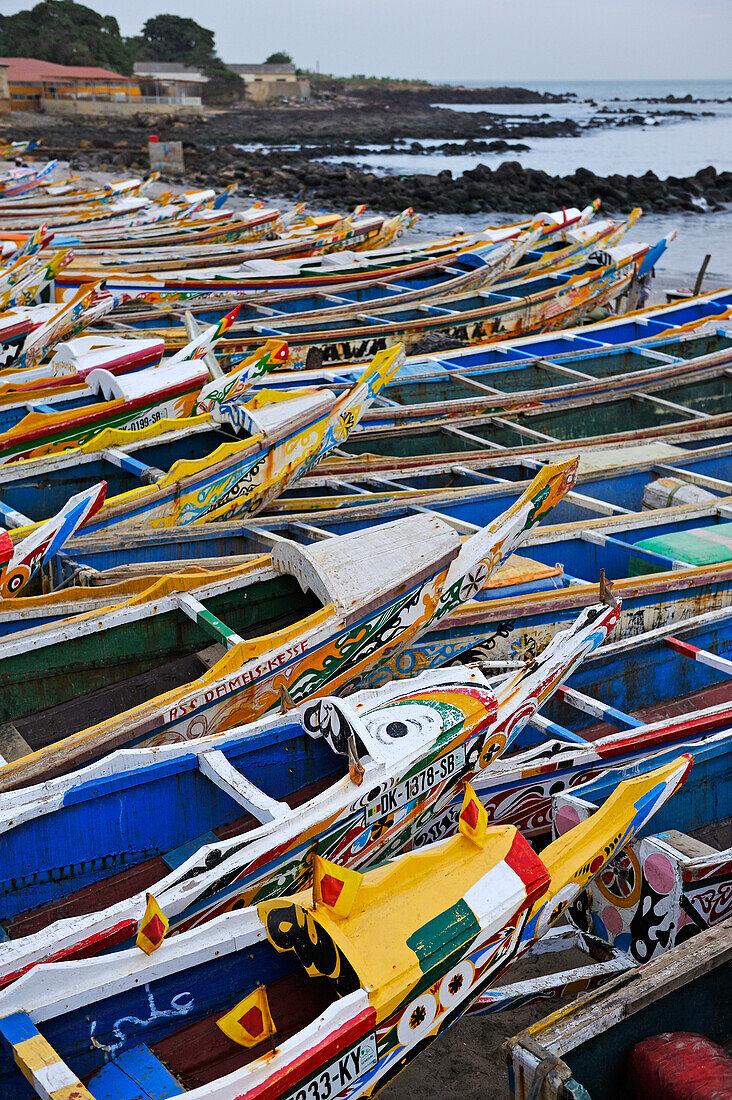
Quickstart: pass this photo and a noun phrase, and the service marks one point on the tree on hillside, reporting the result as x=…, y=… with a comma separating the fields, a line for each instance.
x=279, y=58
x=66, y=33
x=172, y=38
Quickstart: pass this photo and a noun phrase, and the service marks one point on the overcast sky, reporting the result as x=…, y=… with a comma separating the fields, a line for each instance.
x=494, y=40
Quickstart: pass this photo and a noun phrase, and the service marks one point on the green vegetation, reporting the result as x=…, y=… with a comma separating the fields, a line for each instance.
x=171, y=38
x=224, y=86
x=66, y=33
x=360, y=80
x=279, y=58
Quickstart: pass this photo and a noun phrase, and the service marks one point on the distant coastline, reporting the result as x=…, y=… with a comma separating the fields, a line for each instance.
x=512, y=148
x=327, y=151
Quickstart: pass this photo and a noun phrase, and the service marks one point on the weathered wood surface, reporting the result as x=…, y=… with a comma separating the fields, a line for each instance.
x=355, y=573
x=672, y=976
x=491, y=888
x=325, y=651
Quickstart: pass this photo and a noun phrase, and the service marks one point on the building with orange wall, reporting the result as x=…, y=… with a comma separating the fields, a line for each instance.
x=37, y=85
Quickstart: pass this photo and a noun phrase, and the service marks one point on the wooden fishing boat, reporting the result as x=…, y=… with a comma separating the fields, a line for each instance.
x=305, y=242
x=689, y=353
x=469, y=270
x=661, y=890
x=42, y=383
x=372, y=593
x=664, y=888
x=550, y=302
x=196, y=231
x=286, y=438
x=132, y=256
x=602, y=518
x=28, y=333
x=667, y=887
x=693, y=369
x=474, y=266
x=19, y=261
x=13, y=149
x=411, y=745
x=583, y=341
x=613, y=484
x=600, y=719
x=459, y=913
x=59, y=194
x=346, y=267
x=672, y=403
x=181, y=224
x=582, y=1049
x=32, y=385
x=123, y=208
x=597, y=720
x=162, y=390
x=689, y=573
x=651, y=598
x=18, y=181
x=19, y=561
x=38, y=273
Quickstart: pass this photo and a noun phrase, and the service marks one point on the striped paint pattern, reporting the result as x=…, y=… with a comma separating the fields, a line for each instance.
x=38, y=1061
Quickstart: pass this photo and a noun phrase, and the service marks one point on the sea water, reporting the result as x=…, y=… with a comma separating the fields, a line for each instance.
x=667, y=144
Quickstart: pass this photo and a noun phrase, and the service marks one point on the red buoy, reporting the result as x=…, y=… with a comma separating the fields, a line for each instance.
x=679, y=1065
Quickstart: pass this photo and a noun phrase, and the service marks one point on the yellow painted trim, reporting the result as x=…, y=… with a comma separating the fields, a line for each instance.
x=115, y=437
x=403, y=896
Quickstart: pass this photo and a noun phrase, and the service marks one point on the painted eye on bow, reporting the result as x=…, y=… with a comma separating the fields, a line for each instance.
x=391, y=725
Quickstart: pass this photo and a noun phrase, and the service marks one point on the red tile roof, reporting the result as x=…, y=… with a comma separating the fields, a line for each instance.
x=29, y=70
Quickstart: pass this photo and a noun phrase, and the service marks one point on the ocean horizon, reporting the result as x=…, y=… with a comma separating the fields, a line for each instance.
x=669, y=146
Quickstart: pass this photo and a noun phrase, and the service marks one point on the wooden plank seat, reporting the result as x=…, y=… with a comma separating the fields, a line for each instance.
x=49, y=1075
x=684, y=704
x=135, y=1074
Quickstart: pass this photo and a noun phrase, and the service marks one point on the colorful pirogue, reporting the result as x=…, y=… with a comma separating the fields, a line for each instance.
x=257, y=991
x=593, y=1042
x=309, y=988
x=419, y=428
x=366, y=776
x=496, y=259
x=330, y=269
x=288, y=434
x=531, y=305
x=19, y=181
x=698, y=357
x=665, y=575
x=377, y=590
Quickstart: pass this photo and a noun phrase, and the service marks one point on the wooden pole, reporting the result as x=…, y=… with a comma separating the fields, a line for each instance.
x=702, y=273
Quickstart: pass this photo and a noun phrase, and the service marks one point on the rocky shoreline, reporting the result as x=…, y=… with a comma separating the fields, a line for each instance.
x=277, y=151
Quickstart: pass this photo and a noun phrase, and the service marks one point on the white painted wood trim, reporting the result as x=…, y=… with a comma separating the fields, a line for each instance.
x=217, y=768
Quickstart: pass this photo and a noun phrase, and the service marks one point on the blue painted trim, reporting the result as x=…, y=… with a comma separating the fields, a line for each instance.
x=134, y=1070
x=109, y=784
x=620, y=718
x=17, y=1028
x=555, y=730
x=132, y=465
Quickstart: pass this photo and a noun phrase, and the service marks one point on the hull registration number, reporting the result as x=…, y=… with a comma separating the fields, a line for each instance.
x=419, y=783
x=340, y=1073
